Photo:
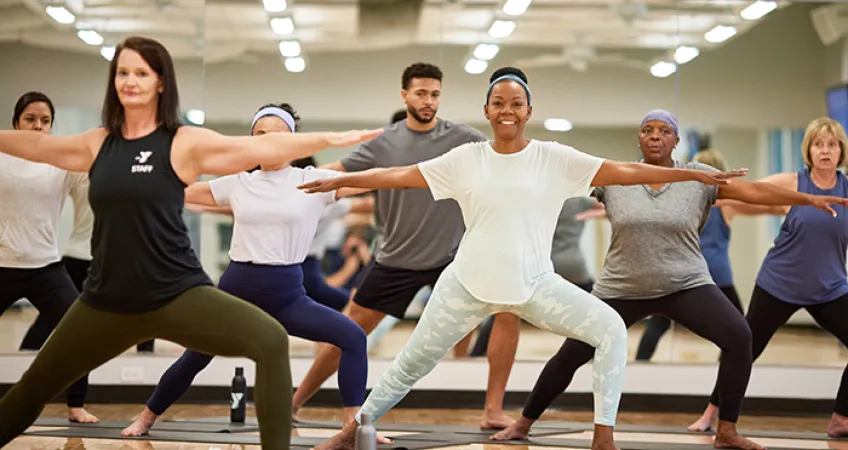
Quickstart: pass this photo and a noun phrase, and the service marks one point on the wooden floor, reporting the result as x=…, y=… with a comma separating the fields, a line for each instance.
x=428, y=416
x=790, y=346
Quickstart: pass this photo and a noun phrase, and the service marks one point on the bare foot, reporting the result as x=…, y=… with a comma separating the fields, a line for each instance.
x=518, y=431
x=727, y=437
x=80, y=415
x=345, y=440
x=496, y=421
x=141, y=425
x=706, y=421
x=838, y=426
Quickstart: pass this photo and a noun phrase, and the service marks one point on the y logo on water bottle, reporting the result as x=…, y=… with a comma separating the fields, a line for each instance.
x=236, y=397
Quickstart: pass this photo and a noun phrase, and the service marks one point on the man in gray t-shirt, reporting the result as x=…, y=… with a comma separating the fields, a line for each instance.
x=566, y=255
x=420, y=236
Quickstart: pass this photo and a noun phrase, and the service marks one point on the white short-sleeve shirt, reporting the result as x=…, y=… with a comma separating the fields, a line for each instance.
x=275, y=222
x=32, y=196
x=510, y=204
x=325, y=232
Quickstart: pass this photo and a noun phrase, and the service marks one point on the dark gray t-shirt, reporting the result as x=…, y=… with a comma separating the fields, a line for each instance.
x=419, y=233
x=566, y=255
x=655, y=249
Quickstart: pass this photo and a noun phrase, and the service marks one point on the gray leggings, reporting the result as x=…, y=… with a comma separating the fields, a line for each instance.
x=556, y=305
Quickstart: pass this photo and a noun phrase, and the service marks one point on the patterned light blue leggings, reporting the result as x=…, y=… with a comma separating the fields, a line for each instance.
x=556, y=305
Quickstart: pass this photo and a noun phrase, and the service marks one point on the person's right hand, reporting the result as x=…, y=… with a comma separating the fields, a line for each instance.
x=352, y=137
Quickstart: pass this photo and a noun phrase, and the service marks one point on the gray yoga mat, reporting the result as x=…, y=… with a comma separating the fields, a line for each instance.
x=219, y=438
x=574, y=426
x=191, y=427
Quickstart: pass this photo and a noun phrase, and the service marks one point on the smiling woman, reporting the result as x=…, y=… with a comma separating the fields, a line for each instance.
x=516, y=275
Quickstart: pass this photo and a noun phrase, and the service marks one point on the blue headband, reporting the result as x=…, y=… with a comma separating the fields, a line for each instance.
x=512, y=77
x=273, y=111
x=662, y=116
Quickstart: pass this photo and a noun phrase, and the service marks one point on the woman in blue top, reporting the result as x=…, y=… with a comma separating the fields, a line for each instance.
x=715, y=244
x=812, y=240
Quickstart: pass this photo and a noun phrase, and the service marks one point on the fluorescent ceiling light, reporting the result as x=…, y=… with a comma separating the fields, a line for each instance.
x=515, y=7
x=685, y=53
x=663, y=69
x=476, y=66
x=296, y=64
x=60, y=14
x=502, y=28
x=758, y=9
x=107, y=52
x=274, y=6
x=720, y=33
x=558, y=125
x=282, y=25
x=90, y=37
x=486, y=51
x=290, y=49
x=196, y=116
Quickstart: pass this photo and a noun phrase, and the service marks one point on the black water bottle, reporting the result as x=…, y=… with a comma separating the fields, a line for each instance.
x=237, y=397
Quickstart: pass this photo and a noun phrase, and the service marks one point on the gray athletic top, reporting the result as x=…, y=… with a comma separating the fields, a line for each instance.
x=655, y=249
x=419, y=233
x=566, y=255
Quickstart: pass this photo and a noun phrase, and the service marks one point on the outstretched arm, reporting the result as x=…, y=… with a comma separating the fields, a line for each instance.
x=200, y=193
x=772, y=193
x=383, y=178
x=216, y=154
x=623, y=174
x=72, y=153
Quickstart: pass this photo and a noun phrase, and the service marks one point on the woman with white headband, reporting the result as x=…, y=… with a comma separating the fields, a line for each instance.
x=511, y=191
x=273, y=229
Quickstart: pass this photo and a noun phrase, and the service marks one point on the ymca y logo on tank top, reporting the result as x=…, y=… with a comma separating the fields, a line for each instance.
x=142, y=166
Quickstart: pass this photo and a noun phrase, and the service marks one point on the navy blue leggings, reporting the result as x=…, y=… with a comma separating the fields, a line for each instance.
x=278, y=290
x=318, y=289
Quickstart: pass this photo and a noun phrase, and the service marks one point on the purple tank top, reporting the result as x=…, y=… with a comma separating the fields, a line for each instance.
x=806, y=265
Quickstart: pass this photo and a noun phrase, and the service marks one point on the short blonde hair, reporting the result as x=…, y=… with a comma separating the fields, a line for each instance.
x=712, y=158
x=816, y=128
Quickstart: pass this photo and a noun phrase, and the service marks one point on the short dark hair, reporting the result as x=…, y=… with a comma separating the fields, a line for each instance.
x=509, y=71
x=158, y=58
x=399, y=115
x=287, y=108
x=420, y=70
x=26, y=100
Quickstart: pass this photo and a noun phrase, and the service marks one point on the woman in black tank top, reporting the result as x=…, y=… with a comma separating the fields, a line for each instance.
x=145, y=281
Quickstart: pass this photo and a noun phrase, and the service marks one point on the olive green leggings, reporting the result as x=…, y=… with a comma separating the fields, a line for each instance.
x=203, y=319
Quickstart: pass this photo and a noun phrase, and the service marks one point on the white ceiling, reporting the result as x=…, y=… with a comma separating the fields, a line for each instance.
x=579, y=33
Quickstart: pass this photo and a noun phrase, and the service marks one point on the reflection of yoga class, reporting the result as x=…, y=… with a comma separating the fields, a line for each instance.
x=195, y=254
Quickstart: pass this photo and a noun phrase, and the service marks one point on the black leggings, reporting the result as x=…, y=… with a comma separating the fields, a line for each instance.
x=42, y=326
x=51, y=291
x=704, y=310
x=766, y=314
x=659, y=324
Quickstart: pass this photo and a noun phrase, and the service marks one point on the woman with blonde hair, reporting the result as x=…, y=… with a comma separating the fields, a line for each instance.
x=815, y=241
x=715, y=244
